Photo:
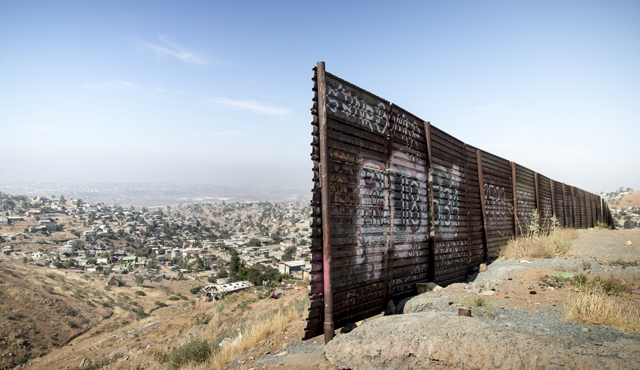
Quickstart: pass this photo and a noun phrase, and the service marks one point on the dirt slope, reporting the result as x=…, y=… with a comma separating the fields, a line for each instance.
x=34, y=320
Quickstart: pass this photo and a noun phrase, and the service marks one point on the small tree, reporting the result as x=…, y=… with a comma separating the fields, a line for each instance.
x=289, y=253
x=139, y=279
x=222, y=274
x=255, y=242
x=235, y=263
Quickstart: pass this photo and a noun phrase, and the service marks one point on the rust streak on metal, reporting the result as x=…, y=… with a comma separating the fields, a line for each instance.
x=326, y=219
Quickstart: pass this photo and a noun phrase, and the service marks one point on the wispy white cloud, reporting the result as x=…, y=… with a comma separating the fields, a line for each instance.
x=251, y=106
x=171, y=49
x=35, y=127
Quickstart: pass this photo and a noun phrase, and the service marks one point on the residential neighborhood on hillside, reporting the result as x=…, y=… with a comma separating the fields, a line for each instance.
x=217, y=242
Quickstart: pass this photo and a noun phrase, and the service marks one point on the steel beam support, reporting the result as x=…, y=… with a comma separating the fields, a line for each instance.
x=553, y=198
x=326, y=217
x=535, y=178
x=482, y=205
x=564, y=206
x=516, y=224
x=432, y=223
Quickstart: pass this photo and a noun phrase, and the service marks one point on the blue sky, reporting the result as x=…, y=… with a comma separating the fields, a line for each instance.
x=219, y=92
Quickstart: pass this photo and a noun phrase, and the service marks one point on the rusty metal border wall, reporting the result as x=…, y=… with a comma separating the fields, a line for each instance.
x=397, y=201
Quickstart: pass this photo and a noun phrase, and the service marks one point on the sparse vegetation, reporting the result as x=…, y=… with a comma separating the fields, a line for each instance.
x=595, y=306
x=540, y=242
x=196, y=351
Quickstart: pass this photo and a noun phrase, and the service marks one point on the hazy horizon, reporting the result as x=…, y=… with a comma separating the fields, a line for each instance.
x=219, y=93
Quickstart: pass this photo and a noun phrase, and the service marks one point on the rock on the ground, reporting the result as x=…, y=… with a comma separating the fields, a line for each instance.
x=483, y=267
x=439, y=340
x=427, y=301
x=427, y=287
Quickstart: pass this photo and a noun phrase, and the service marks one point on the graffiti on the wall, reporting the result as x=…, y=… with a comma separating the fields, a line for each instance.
x=495, y=200
x=343, y=102
x=447, y=204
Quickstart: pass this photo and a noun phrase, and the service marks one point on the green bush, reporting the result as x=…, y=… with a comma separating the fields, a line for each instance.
x=174, y=298
x=160, y=304
x=140, y=293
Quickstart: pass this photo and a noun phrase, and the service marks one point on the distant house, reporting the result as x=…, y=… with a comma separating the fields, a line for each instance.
x=128, y=262
x=4, y=221
x=113, y=281
x=7, y=249
x=291, y=267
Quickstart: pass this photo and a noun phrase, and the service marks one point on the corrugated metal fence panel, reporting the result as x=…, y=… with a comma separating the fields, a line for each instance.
x=476, y=242
x=546, y=207
x=526, y=196
x=450, y=204
x=598, y=209
x=358, y=126
x=408, y=201
x=498, y=196
x=559, y=203
x=379, y=204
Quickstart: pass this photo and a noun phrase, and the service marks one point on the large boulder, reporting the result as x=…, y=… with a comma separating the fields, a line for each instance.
x=443, y=340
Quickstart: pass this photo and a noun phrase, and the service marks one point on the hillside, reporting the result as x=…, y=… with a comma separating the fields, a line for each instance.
x=44, y=309
x=631, y=199
x=37, y=317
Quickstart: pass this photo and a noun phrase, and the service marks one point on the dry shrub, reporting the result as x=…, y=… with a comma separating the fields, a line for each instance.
x=626, y=282
x=539, y=245
x=596, y=307
x=528, y=248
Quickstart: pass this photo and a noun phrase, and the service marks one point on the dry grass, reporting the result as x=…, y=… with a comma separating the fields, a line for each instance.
x=256, y=333
x=204, y=352
x=596, y=307
x=555, y=243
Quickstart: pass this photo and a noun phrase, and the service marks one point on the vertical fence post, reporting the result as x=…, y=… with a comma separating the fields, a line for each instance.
x=553, y=198
x=482, y=205
x=601, y=210
x=594, y=209
x=432, y=223
x=326, y=217
x=514, y=183
x=535, y=180
x=564, y=206
x=580, y=208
